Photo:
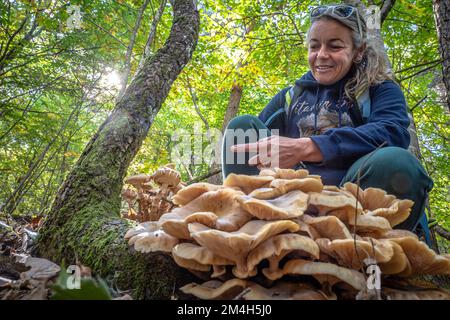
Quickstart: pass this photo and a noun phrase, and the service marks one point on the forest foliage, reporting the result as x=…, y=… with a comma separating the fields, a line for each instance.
x=58, y=84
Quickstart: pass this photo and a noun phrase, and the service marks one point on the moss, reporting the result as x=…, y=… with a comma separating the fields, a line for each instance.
x=95, y=237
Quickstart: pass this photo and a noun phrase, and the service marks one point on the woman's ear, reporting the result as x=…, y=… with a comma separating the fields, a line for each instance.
x=359, y=53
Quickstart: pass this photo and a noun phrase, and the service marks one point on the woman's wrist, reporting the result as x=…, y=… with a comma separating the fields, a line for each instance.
x=309, y=150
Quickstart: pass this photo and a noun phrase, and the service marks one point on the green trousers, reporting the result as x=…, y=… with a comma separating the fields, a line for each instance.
x=392, y=169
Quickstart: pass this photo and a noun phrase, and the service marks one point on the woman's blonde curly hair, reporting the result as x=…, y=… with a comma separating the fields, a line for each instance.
x=372, y=69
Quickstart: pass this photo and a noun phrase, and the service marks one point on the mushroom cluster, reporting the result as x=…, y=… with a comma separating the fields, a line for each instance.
x=151, y=193
x=284, y=235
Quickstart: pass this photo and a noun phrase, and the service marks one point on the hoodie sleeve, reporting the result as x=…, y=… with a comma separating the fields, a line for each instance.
x=388, y=122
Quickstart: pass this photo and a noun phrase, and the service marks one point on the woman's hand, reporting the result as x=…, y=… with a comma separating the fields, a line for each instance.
x=282, y=152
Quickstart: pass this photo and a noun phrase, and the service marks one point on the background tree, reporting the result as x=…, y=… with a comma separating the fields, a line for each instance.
x=84, y=221
x=442, y=19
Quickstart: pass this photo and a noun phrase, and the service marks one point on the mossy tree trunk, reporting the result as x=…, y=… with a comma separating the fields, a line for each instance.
x=84, y=221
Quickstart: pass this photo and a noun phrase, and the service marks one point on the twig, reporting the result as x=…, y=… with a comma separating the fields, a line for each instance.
x=240, y=295
x=209, y=174
x=357, y=201
x=418, y=103
x=441, y=231
x=194, y=101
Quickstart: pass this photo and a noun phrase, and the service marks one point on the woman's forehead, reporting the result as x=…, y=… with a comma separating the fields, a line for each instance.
x=328, y=30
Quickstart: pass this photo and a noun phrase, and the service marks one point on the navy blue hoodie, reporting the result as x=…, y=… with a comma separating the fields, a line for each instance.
x=322, y=113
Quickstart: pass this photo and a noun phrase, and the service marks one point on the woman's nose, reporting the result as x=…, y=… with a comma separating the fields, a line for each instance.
x=323, y=53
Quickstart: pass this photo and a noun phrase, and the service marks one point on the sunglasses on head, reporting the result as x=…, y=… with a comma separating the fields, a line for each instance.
x=339, y=12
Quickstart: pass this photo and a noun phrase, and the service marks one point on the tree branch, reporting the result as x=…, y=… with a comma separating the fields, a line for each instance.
x=419, y=65
x=441, y=231
x=126, y=69
x=152, y=32
x=419, y=72
x=385, y=9
x=194, y=101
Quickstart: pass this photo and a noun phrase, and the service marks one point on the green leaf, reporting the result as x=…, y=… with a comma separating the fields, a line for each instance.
x=90, y=289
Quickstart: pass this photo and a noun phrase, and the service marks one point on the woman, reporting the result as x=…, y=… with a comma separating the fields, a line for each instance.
x=323, y=129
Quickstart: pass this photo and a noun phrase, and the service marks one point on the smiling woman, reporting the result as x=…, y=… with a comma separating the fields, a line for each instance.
x=337, y=117
x=331, y=51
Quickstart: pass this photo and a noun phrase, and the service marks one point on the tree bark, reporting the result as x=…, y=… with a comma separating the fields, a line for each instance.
x=441, y=10
x=84, y=221
x=233, y=104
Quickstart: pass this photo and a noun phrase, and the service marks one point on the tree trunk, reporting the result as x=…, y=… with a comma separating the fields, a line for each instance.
x=84, y=221
x=230, y=113
x=232, y=107
x=441, y=10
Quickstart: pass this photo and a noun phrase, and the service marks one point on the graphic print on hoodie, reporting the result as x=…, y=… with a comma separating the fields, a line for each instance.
x=318, y=108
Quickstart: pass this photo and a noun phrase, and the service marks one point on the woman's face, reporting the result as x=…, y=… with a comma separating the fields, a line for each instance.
x=330, y=52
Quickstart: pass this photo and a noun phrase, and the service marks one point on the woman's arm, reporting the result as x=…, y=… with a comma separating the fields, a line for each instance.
x=388, y=122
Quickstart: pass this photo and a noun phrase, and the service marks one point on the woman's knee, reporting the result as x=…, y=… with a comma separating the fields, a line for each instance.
x=243, y=122
x=400, y=168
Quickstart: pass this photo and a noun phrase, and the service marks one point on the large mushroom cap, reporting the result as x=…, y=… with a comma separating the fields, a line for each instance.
x=328, y=201
x=192, y=256
x=352, y=253
x=387, y=234
x=148, y=226
x=236, y=245
x=423, y=260
x=305, y=185
x=279, y=187
x=370, y=198
x=279, y=173
x=219, y=209
x=328, y=227
x=369, y=223
x=138, y=180
x=191, y=192
x=247, y=183
x=276, y=248
x=153, y=241
x=398, y=264
x=287, y=206
x=381, y=204
x=397, y=212
x=299, y=266
x=215, y=289
x=166, y=176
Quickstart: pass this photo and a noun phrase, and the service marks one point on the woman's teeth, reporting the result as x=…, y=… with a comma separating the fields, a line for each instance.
x=323, y=68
